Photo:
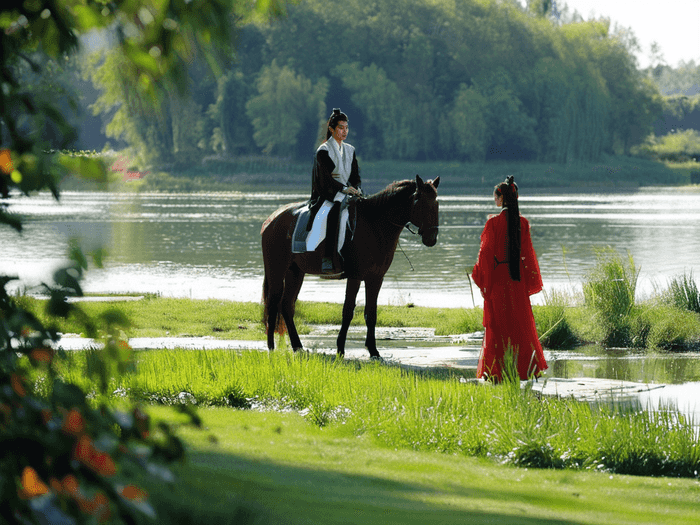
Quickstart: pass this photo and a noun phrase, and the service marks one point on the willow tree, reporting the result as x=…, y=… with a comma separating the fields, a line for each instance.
x=287, y=111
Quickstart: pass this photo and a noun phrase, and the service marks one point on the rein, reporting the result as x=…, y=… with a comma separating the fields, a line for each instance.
x=420, y=231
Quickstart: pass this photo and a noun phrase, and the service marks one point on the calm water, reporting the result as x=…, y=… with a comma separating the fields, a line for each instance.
x=208, y=245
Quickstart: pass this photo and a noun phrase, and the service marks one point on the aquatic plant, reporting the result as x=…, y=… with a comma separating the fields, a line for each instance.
x=552, y=323
x=609, y=290
x=683, y=293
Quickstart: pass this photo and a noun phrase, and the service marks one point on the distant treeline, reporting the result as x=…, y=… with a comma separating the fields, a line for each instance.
x=464, y=81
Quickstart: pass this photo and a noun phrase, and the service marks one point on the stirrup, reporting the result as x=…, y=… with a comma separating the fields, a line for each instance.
x=327, y=265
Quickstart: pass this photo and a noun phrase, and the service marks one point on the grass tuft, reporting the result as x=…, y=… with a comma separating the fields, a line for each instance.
x=683, y=293
x=609, y=290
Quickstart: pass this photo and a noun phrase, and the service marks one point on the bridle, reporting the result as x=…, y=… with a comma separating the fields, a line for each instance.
x=421, y=231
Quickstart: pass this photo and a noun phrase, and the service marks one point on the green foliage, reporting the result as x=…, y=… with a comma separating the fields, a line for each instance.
x=390, y=129
x=552, y=324
x=68, y=456
x=675, y=81
x=661, y=327
x=68, y=459
x=231, y=132
x=467, y=124
x=420, y=80
x=609, y=290
x=288, y=107
x=678, y=147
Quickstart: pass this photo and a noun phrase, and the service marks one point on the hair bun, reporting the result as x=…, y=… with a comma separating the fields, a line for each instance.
x=336, y=111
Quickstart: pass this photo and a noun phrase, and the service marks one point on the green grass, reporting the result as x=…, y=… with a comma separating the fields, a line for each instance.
x=446, y=321
x=609, y=291
x=653, y=325
x=424, y=411
x=252, y=467
x=158, y=317
x=683, y=293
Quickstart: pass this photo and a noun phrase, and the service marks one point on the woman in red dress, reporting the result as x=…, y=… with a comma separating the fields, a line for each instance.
x=507, y=273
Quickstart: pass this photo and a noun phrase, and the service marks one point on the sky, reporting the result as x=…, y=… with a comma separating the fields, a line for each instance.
x=673, y=24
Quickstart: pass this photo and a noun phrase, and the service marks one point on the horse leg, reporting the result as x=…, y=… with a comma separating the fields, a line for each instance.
x=292, y=285
x=351, y=289
x=272, y=296
x=372, y=287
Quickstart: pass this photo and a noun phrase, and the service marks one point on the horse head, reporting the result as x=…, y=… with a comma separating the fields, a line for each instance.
x=424, y=210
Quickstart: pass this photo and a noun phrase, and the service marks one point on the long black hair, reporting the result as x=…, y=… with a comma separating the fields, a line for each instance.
x=336, y=116
x=509, y=191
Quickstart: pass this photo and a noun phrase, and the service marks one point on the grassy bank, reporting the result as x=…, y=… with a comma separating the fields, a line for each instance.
x=654, y=325
x=256, y=174
x=435, y=411
x=267, y=467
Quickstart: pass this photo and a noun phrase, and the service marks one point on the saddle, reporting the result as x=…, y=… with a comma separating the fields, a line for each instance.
x=302, y=228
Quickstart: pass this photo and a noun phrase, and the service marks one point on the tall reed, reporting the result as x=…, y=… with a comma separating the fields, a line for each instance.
x=609, y=290
x=552, y=323
x=683, y=293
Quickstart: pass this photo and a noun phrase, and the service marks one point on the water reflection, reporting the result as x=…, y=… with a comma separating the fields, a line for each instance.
x=627, y=365
x=208, y=245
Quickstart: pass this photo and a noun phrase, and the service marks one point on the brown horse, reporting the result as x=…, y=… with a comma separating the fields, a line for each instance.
x=368, y=254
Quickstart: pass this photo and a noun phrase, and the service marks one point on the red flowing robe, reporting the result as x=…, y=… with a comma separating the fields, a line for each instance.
x=508, y=319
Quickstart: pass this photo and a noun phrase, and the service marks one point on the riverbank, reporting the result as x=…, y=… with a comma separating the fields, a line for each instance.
x=256, y=174
x=559, y=325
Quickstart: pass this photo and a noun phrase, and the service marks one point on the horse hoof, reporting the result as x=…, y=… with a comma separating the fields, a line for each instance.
x=377, y=358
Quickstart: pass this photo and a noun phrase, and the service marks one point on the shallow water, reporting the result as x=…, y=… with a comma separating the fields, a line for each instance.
x=208, y=245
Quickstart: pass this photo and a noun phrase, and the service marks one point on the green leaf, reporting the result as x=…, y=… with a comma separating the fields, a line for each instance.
x=98, y=256
x=115, y=317
x=69, y=278
x=11, y=220
x=57, y=305
x=75, y=254
x=68, y=395
x=142, y=60
x=86, y=18
x=87, y=168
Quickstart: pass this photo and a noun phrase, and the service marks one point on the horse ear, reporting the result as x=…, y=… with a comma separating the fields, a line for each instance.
x=436, y=182
x=419, y=181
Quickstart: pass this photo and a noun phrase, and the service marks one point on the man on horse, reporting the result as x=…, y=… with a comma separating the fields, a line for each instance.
x=335, y=176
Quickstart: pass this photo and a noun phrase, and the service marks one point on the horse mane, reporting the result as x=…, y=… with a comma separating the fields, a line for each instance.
x=393, y=191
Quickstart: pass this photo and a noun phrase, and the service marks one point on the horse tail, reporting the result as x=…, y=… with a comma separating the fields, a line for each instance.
x=280, y=326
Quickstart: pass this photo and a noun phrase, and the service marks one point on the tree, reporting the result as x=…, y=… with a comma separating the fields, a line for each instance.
x=388, y=132
x=511, y=130
x=288, y=111
x=468, y=124
x=420, y=53
x=231, y=131
x=65, y=461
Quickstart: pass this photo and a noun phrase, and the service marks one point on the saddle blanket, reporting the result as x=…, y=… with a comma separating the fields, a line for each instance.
x=307, y=241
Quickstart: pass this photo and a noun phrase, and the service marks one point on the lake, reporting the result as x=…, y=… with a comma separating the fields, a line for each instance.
x=208, y=245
